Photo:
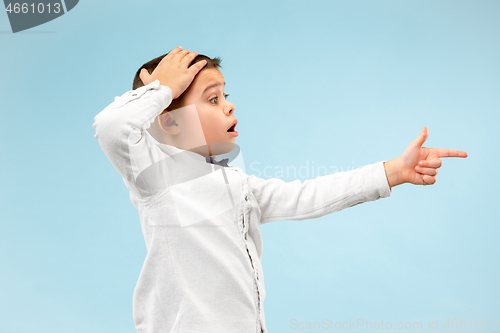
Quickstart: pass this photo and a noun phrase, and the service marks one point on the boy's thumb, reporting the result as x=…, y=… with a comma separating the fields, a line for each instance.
x=143, y=74
x=422, y=137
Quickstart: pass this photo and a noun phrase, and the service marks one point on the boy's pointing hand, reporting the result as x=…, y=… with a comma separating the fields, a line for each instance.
x=418, y=165
x=173, y=71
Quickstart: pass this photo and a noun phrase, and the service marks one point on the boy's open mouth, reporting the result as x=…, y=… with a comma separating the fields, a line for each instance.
x=231, y=129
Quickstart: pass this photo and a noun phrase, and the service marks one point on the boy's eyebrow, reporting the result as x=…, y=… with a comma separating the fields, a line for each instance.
x=213, y=85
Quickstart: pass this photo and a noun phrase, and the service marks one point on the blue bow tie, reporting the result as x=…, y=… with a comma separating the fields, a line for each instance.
x=222, y=162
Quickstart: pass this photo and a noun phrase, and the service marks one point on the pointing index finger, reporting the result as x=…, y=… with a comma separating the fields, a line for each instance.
x=440, y=152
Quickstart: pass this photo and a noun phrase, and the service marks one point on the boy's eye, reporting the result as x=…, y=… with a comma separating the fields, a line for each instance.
x=215, y=98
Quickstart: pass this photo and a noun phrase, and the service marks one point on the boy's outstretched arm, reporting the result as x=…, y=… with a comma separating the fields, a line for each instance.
x=296, y=200
x=418, y=165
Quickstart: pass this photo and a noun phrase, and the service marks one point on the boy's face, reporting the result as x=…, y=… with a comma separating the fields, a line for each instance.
x=215, y=113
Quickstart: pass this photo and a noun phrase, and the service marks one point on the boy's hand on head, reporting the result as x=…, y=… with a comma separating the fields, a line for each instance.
x=418, y=165
x=173, y=71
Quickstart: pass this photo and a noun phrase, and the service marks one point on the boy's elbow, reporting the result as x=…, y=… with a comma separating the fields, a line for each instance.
x=103, y=125
x=99, y=124
x=111, y=132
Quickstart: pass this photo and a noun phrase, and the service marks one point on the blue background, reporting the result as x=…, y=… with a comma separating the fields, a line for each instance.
x=326, y=83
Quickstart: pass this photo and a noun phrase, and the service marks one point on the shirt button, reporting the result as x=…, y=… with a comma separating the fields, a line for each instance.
x=246, y=198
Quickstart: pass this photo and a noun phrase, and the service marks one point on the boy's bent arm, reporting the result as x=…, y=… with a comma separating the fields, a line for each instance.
x=121, y=133
x=296, y=200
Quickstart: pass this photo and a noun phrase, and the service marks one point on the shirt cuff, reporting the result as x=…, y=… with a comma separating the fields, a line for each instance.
x=164, y=95
x=375, y=180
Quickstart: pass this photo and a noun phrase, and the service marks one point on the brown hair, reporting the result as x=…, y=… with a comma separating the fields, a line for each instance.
x=151, y=65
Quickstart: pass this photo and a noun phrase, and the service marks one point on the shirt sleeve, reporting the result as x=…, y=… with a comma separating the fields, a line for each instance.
x=296, y=200
x=120, y=130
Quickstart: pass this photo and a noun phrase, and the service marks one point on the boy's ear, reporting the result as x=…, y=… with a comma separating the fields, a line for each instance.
x=167, y=122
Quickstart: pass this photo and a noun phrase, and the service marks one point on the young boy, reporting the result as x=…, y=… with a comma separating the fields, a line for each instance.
x=200, y=220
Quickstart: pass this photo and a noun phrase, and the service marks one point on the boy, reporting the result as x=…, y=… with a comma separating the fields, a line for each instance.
x=200, y=220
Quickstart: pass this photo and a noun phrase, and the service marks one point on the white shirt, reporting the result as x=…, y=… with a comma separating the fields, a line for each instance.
x=200, y=221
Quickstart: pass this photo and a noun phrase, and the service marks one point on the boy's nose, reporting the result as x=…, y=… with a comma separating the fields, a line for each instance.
x=230, y=109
